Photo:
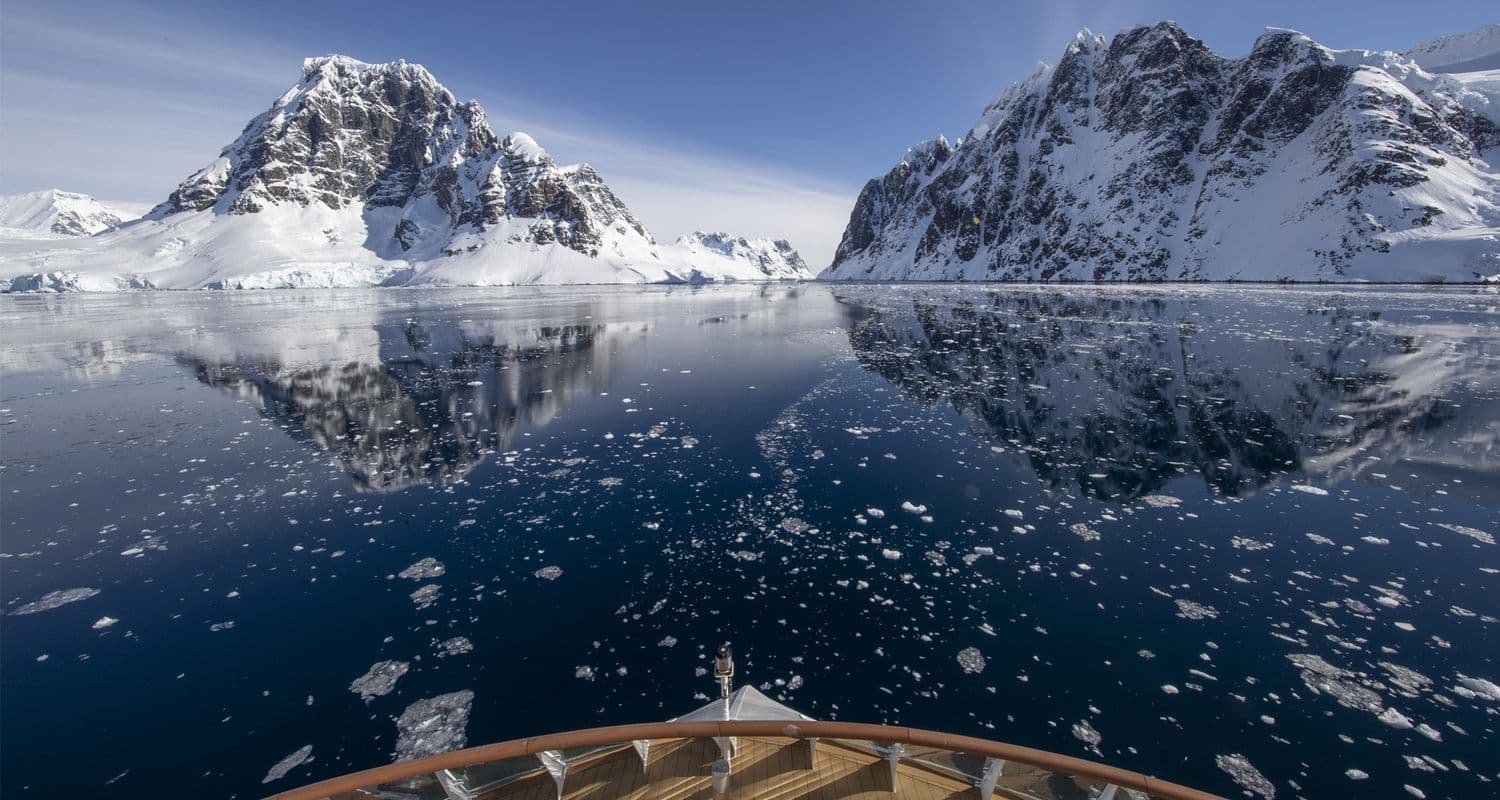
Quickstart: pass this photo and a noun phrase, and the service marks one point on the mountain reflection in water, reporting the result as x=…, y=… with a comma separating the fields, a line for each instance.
x=439, y=399
x=1115, y=394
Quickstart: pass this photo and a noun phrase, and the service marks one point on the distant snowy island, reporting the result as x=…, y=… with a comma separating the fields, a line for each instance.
x=1140, y=157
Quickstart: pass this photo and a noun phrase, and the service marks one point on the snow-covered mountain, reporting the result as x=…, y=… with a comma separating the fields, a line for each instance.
x=1148, y=157
x=774, y=259
x=367, y=174
x=1464, y=52
x=52, y=212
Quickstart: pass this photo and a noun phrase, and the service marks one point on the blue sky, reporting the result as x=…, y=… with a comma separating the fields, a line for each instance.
x=762, y=118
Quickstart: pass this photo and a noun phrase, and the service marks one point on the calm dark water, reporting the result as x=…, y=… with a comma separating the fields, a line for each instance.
x=1180, y=525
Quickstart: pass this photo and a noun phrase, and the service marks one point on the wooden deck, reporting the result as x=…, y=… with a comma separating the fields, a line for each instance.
x=765, y=769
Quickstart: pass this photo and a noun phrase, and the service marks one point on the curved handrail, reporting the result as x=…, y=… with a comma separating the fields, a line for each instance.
x=620, y=734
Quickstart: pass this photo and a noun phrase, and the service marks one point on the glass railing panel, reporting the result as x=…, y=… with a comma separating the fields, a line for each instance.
x=420, y=787
x=479, y=778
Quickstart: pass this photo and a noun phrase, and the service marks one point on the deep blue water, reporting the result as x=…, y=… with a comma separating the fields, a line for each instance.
x=1200, y=522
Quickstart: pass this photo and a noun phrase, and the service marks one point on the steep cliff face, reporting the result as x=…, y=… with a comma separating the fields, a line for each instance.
x=366, y=174
x=1148, y=157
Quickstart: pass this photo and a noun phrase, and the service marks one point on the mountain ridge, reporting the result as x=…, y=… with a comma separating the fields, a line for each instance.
x=1147, y=157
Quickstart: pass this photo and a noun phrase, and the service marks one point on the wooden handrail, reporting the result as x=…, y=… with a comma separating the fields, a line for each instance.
x=804, y=729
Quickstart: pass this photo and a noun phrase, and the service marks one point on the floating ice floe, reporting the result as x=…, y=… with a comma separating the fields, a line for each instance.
x=1395, y=719
x=1247, y=776
x=432, y=726
x=1162, y=501
x=892, y=554
x=971, y=660
x=914, y=508
x=1356, y=774
x=424, y=569
x=1084, y=532
x=379, y=679
x=1085, y=733
x=1473, y=533
x=456, y=646
x=56, y=599
x=1187, y=609
x=584, y=673
x=875, y=513
x=426, y=596
x=288, y=764
x=549, y=573
x=1324, y=678
x=1477, y=688
x=1306, y=489
x=104, y=622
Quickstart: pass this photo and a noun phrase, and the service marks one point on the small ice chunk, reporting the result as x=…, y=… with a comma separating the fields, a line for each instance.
x=1085, y=733
x=52, y=600
x=914, y=508
x=424, y=569
x=379, y=679
x=1304, y=488
x=971, y=660
x=1356, y=774
x=456, y=646
x=875, y=513
x=1187, y=609
x=892, y=554
x=1168, y=688
x=1395, y=719
x=549, y=573
x=104, y=622
x=288, y=764
x=1247, y=776
x=426, y=596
